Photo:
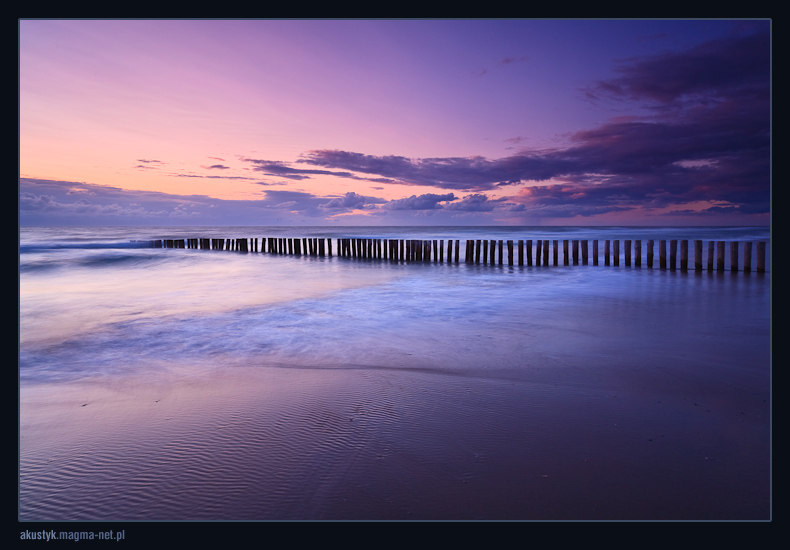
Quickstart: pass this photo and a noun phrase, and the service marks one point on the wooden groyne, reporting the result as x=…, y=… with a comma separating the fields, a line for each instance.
x=495, y=252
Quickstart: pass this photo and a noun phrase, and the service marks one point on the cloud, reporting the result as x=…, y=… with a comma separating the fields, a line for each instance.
x=707, y=139
x=474, y=203
x=511, y=60
x=216, y=167
x=53, y=202
x=47, y=204
x=428, y=201
x=281, y=169
x=351, y=201
x=155, y=164
x=716, y=68
x=211, y=177
x=458, y=173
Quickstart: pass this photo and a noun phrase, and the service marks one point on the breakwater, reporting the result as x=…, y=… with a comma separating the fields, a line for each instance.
x=672, y=254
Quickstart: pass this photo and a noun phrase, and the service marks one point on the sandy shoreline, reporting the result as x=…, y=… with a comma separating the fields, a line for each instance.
x=271, y=443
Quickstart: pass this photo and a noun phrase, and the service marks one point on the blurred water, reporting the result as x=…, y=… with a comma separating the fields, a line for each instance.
x=97, y=308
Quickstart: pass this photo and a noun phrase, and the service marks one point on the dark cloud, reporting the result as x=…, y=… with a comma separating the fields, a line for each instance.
x=216, y=167
x=717, y=68
x=281, y=169
x=459, y=173
x=708, y=140
x=148, y=161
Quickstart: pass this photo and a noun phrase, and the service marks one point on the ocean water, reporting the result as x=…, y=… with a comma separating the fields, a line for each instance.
x=180, y=384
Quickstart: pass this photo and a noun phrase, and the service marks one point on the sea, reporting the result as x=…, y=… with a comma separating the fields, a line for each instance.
x=161, y=384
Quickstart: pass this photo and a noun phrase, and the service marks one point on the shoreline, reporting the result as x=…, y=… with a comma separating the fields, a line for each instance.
x=308, y=444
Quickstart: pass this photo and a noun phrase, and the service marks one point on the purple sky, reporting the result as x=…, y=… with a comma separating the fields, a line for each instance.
x=384, y=122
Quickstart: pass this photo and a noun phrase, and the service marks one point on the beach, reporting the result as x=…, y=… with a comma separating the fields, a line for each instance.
x=181, y=385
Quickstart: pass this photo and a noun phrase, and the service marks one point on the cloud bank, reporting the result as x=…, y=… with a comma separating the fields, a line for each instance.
x=708, y=140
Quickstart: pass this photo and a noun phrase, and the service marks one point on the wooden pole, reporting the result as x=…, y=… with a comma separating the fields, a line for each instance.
x=485, y=250
x=556, y=249
x=697, y=255
x=575, y=245
x=673, y=253
x=606, y=252
x=616, y=252
x=684, y=255
x=595, y=252
x=720, y=256
x=638, y=253
x=565, y=258
x=747, y=257
x=529, y=252
x=546, y=252
x=538, y=252
x=662, y=254
x=761, y=257
x=509, y=253
x=627, y=245
x=584, y=252
x=650, y=253
x=477, y=251
x=710, y=255
x=521, y=252
x=734, y=256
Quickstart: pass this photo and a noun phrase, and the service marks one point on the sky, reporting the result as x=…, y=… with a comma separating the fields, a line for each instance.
x=394, y=122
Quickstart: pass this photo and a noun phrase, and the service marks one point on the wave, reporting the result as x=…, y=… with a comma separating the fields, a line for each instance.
x=38, y=247
x=110, y=258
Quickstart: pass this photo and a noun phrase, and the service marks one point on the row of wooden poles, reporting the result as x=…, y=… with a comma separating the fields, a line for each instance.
x=484, y=251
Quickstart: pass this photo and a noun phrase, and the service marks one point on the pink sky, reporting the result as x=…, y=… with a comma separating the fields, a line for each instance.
x=394, y=122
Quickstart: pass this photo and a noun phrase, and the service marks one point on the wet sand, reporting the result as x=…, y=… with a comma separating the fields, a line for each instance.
x=368, y=443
